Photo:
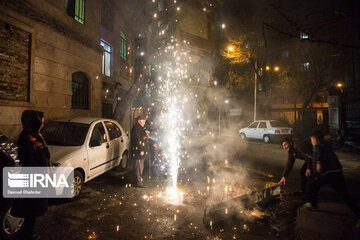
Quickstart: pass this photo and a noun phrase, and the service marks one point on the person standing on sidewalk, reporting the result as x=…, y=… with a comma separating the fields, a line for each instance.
x=295, y=152
x=139, y=148
x=328, y=170
x=33, y=152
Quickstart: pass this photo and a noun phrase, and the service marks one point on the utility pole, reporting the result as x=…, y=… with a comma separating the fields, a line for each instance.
x=255, y=90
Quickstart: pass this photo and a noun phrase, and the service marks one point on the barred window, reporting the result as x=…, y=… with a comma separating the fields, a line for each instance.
x=80, y=91
x=123, y=46
x=76, y=9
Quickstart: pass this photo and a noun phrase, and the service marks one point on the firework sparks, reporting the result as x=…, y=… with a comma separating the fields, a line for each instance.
x=174, y=97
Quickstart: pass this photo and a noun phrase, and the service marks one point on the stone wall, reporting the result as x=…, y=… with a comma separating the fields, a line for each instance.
x=59, y=46
x=15, y=62
x=49, y=47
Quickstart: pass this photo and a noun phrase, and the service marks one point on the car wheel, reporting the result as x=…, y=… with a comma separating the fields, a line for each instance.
x=10, y=226
x=266, y=139
x=124, y=160
x=242, y=136
x=78, y=184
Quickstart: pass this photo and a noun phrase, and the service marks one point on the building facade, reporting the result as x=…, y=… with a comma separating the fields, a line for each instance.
x=66, y=58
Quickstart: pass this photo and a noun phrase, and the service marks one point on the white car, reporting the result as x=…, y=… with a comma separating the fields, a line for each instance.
x=92, y=146
x=267, y=130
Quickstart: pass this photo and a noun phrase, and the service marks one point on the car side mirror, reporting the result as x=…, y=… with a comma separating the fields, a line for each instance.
x=95, y=142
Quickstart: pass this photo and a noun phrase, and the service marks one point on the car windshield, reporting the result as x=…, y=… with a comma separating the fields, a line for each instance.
x=279, y=124
x=65, y=133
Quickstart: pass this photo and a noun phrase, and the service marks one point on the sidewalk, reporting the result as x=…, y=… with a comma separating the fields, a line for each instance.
x=334, y=220
x=349, y=157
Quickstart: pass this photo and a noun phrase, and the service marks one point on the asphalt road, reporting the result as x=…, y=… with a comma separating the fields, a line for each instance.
x=111, y=208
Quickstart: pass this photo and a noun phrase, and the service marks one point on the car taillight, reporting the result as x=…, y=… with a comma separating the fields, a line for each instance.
x=277, y=131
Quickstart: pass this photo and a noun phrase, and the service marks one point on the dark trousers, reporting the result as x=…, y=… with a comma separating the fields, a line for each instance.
x=303, y=178
x=337, y=182
x=139, y=168
x=28, y=228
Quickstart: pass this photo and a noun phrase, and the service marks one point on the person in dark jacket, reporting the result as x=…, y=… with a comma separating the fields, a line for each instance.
x=295, y=152
x=328, y=170
x=139, y=148
x=33, y=152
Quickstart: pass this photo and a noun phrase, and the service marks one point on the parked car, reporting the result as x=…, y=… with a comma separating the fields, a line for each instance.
x=11, y=227
x=92, y=146
x=267, y=130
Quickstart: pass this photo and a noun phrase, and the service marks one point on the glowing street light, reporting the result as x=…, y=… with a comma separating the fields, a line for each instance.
x=339, y=85
x=223, y=26
x=276, y=68
x=231, y=48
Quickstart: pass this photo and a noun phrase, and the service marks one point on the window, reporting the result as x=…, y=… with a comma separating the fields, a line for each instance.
x=98, y=135
x=262, y=125
x=113, y=130
x=123, y=45
x=65, y=133
x=80, y=91
x=106, y=58
x=304, y=36
x=253, y=125
x=76, y=9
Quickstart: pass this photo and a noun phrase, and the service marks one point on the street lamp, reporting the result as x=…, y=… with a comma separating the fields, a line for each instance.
x=340, y=86
x=275, y=69
x=231, y=48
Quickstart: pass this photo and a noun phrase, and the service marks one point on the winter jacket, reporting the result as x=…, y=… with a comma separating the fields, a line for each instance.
x=327, y=158
x=295, y=152
x=139, y=142
x=33, y=152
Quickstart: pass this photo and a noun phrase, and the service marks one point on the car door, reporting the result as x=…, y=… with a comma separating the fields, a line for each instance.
x=115, y=141
x=261, y=130
x=98, y=149
x=251, y=130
